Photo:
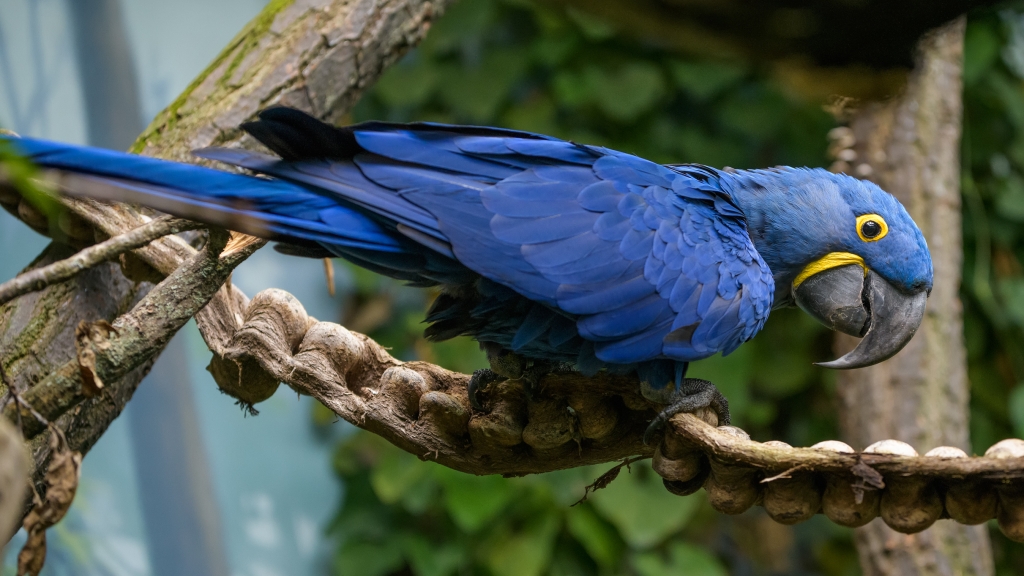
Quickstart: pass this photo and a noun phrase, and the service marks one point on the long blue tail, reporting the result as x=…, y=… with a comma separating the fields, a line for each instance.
x=274, y=209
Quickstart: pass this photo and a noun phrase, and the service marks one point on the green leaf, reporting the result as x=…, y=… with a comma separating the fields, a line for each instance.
x=683, y=558
x=984, y=431
x=554, y=50
x=1016, y=404
x=431, y=558
x=784, y=360
x=462, y=23
x=473, y=501
x=566, y=487
x=23, y=175
x=695, y=145
x=366, y=559
x=761, y=413
x=534, y=115
x=1010, y=199
x=593, y=28
x=362, y=517
x=476, y=92
x=694, y=561
x=599, y=539
x=640, y=507
x=395, y=473
x=568, y=559
x=628, y=92
x=981, y=49
x=1011, y=292
x=419, y=497
x=571, y=88
x=1007, y=92
x=758, y=112
x=461, y=354
x=407, y=84
x=526, y=552
x=702, y=80
x=732, y=376
x=1013, y=51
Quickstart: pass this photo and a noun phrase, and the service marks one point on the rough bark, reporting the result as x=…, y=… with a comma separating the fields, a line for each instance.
x=315, y=55
x=37, y=336
x=40, y=278
x=910, y=146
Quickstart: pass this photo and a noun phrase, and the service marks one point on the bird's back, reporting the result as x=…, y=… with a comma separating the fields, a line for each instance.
x=547, y=248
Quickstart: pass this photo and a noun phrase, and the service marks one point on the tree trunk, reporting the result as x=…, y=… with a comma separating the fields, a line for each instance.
x=910, y=146
x=106, y=73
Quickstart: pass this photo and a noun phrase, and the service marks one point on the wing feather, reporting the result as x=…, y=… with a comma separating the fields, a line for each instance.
x=648, y=261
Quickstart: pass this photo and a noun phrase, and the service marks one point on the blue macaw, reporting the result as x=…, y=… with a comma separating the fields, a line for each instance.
x=552, y=253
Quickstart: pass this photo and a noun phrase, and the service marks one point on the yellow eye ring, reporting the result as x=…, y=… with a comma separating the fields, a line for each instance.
x=871, y=227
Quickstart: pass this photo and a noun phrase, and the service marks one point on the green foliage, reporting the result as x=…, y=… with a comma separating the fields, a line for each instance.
x=22, y=175
x=653, y=513
x=993, y=186
x=993, y=193
x=682, y=558
x=401, y=512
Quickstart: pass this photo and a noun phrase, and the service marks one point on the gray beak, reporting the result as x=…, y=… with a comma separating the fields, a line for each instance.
x=844, y=299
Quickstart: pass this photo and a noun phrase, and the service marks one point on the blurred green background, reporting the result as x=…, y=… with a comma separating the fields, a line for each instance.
x=540, y=68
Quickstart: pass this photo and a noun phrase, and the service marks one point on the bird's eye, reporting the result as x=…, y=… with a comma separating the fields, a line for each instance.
x=871, y=227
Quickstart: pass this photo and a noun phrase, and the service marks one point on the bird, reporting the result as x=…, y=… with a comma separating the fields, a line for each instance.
x=555, y=255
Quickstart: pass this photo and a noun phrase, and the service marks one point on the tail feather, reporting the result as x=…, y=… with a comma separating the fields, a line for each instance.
x=339, y=180
x=273, y=209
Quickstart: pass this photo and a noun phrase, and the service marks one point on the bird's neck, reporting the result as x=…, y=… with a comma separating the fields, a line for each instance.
x=768, y=200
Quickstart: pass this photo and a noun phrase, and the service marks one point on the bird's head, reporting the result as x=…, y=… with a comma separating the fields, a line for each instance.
x=843, y=250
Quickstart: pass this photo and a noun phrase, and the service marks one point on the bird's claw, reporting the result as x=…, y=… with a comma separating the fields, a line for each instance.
x=693, y=394
x=480, y=380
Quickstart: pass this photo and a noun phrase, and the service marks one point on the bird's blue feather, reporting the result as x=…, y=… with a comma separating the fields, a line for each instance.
x=574, y=253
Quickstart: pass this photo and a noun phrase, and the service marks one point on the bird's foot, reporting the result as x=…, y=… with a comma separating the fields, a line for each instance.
x=481, y=379
x=512, y=368
x=692, y=394
x=531, y=375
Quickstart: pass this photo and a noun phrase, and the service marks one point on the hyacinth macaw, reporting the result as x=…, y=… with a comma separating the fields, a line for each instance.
x=554, y=254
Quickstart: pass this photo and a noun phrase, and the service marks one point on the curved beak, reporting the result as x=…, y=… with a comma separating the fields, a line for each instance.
x=846, y=299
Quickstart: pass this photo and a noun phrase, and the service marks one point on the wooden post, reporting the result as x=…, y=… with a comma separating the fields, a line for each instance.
x=910, y=146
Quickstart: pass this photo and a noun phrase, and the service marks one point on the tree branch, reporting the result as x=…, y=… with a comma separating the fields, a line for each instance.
x=139, y=334
x=60, y=271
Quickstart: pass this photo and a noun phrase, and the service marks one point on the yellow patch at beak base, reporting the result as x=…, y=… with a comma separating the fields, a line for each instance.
x=826, y=262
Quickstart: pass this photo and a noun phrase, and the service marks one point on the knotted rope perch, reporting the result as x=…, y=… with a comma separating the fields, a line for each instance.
x=422, y=408
x=573, y=421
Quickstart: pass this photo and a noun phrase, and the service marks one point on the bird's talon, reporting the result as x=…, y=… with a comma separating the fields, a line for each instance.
x=691, y=395
x=480, y=380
